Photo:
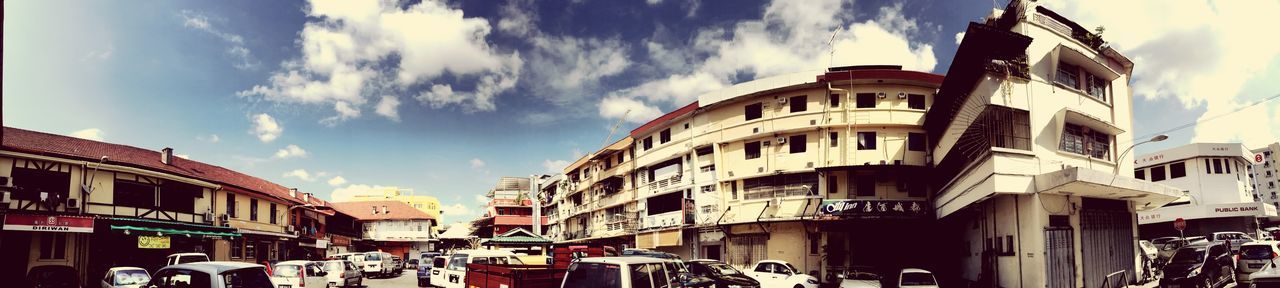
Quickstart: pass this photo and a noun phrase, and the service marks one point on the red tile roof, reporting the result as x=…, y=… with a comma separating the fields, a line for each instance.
x=45, y=144
x=363, y=210
x=663, y=119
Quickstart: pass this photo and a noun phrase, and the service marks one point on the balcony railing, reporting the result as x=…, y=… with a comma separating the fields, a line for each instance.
x=777, y=192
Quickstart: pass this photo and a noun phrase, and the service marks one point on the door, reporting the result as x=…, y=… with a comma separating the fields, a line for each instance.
x=1106, y=236
x=315, y=275
x=1060, y=262
x=711, y=252
x=456, y=272
x=770, y=275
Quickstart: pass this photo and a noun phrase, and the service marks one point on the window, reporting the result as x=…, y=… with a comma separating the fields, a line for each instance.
x=866, y=140
x=640, y=276
x=752, y=149
x=1177, y=170
x=1227, y=164
x=664, y=136
x=916, y=189
x=798, y=144
x=250, y=248
x=835, y=101
x=915, y=141
x=1080, y=140
x=833, y=185
x=865, y=186
x=179, y=197
x=273, y=213
x=1157, y=173
x=814, y=239
x=1097, y=87
x=237, y=248
x=1208, y=169
x=733, y=189
x=135, y=194
x=253, y=209
x=1100, y=147
x=53, y=246
x=915, y=101
x=1217, y=166
x=1068, y=75
x=1140, y=174
x=866, y=100
x=754, y=111
x=34, y=181
x=648, y=143
x=231, y=205
x=799, y=103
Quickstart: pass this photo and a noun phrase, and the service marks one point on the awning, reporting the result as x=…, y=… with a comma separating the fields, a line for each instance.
x=1095, y=67
x=265, y=233
x=1190, y=212
x=1076, y=117
x=1084, y=182
x=133, y=226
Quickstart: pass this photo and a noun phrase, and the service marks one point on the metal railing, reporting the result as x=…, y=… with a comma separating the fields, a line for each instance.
x=777, y=192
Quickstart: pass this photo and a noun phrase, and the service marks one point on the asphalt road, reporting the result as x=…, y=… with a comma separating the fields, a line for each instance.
x=408, y=279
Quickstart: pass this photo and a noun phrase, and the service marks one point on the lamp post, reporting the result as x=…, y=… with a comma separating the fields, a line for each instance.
x=1157, y=138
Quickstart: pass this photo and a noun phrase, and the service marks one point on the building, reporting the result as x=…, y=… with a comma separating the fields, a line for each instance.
x=1218, y=193
x=390, y=226
x=599, y=204
x=66, y=198
x=426, y=204
x=1024, y=133
x=1263, y=174
x=550, y=198
x=510, y=206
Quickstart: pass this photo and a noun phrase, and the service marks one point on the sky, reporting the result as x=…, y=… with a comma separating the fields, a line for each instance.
x=339, y=97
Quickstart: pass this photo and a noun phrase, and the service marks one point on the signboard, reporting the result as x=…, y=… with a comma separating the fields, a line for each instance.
x=1258, y=158
x=153, y=242
x=848, y=208
x=1192, y=212
x=1180, y=224
x=45, y=223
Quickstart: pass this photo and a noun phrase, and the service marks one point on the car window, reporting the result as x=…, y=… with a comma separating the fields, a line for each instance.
x=373, y=257
x=286, y=270
x=593, y=275
x=246, y=278
x=438, y=262
x=641, y=276
x=184, y=279
x=1188, y=256
x=789, y=269
x=1256, y=252
x=458, y=262
x=723, y=269
x=1217, y=250
x=764, y=267
x=192, y=259
x=334, y=266
x=662, y=274
x=130, y=277
x=917, y=278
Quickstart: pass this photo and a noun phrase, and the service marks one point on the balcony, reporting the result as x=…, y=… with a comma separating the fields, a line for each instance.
x=664, y=184
x=615, y=198
x=777, y=192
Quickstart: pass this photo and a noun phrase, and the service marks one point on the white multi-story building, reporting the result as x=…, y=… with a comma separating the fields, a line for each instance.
x=390, y=226
x=1263, y=175
x=1218, y=194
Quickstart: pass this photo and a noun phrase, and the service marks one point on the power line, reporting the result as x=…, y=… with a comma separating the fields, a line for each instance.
x=1211, y=118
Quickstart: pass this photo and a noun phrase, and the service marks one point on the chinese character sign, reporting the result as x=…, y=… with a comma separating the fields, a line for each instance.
x=849, y=208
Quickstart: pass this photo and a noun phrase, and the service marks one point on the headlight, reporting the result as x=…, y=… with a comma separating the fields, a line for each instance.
x=1194, y=272
x=811, y=281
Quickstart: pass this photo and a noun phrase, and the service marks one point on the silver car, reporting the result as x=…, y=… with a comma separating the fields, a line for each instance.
x=125, y=277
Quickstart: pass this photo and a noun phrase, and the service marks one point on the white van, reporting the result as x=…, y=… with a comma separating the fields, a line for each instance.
x=455, y=272
x=625, y=272
x=438, y=264
x=180, y=258
x=377, y=264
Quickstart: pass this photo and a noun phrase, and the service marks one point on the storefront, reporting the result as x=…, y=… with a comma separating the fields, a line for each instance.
x=30, y=240
x=1204, y=219
x=149, y=242
x=339, y=244
x=888, y=234
x=258, y=246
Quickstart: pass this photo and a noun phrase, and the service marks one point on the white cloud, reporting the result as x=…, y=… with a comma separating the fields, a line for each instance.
x=266, y=128
x=345, y=53
x=100, y=55
x=291, y=151
x=959, y=37
x=615, y=107
x=301, y=174
x=211, y=138
x=476, y=163
x=348, y=193
x=243, y=57
x=653, y=2
x=554, y=166
x=790, y=36
x=337, y=181
x=388, y=107
x=94, y=134
x=481, y=199
x=345, y=112
x=455, y=210
x=1227, y=56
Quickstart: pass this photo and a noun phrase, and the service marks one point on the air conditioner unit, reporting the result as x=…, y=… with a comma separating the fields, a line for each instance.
x=902, y=95
x=73, y=204
x=225, y=219
x=208, y=217
x=782, y=100
x=782, y=140
x=881, y=95
x=288, y=229
x=809, y=165
x=6, y=197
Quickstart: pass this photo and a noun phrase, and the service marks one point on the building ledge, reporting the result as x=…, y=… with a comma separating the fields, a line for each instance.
x=1084, y=182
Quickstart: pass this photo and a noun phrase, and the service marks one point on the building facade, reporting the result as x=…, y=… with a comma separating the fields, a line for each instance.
x=426, y=204
x=598, y=202
x=510, y=206
x=390, y=226
x=1218, y=192
x=1263, y=175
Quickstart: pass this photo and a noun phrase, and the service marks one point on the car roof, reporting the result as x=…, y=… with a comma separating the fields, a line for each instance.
x=623, y=260
x=294, y=262
x=213, y=267
x=125, y=268
x=1262, y=242
x=915, y=270
x=482, y=252
x=772, y=261
x=188, y=254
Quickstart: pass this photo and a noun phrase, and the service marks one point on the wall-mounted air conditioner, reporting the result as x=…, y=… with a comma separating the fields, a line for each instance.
x=902, y=95
x=73, y=204
x=782, y=100
x=881, y=95
x=782, y=140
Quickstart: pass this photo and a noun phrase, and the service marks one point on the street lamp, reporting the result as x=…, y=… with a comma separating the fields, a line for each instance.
x=1157, y=138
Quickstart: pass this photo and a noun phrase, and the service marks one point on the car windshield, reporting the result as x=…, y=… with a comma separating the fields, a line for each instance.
x=247, y=278
x=373, y=257
x=1188, y=256
x=792, y=267
x=1256, y=252
x=1159, y=241
x=192, y=258
x=859, y=275
x=286, y=270
x=331, y=266
x=723, y=269
x=917, y=278
x=356, y=258
x=132, y=277
x=593, y=275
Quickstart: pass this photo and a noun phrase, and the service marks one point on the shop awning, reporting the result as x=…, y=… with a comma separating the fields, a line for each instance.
x=266, y=233
x=1087, y=182
x=167, y=228
x=518, y=236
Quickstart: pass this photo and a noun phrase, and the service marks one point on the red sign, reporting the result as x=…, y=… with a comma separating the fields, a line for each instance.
x=1257, y=158
x=1180, y=224
x=45, y=223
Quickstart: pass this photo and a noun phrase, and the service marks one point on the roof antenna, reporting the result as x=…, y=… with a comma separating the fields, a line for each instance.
x=88, y=188
x=615, y=128
x=831, y=47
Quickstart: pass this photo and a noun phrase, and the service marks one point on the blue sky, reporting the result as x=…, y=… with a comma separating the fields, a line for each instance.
x=443, y=98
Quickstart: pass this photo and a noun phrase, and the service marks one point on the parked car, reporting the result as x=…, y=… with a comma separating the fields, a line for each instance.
x=1167, y=249
x=412, y=264
x=342, y=273
x=620, y=272
x=181, y=258
x=721, y=274
x=774, y=273
x=861, y=277
x=916, y=278
x=299, y=273
x=1253, y=257
x=1268, y=277
x=649, y=253
x=53, y=276
x=212, y=275
x=1235, y=238
x=355, y=258
x=438, y=265
x=1203, y=264
x=398, y=264
x=455, y=273
x=377, y=264
x=125, y=277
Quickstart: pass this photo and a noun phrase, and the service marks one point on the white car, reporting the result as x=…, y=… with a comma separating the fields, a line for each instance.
x=1253, y=257
x=916, y=278
x=297, y=274
x=125, y=277
x=182, y=258
x=774, y=273
x=860, y=277
x=1235, y=238
x=342, y=273
x=455, y=274
x=621, y=272
x=377, y=264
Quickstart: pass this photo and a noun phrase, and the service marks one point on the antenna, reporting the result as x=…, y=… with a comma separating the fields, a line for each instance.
x=615, y=128
x=831, y=47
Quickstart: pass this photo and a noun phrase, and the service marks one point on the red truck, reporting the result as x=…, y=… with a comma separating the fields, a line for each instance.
x=531, y=276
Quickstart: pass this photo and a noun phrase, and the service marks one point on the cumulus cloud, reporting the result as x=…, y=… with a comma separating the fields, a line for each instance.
x=291, y=151
x=211, y=138
x=790, y=36
x=1214, y=75
x=959, y=37
x=345, y=49
x=476, y=163
x=242, y=56
x=266, y=128
x=346, y=194
x=301, y=174
x=481, y=199
x=554, y=166
x=388, y=107
x=337, y=181
x=615, y=107
x=94, y=134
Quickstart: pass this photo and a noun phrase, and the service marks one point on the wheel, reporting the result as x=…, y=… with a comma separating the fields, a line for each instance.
x=1208, y=281
x=799, y=286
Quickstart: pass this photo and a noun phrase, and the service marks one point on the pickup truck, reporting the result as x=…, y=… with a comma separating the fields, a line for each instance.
x=774, y=273
x=538, y=275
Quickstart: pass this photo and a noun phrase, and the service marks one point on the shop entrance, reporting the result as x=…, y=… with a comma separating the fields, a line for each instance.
x=14, y=248
x=886, y=245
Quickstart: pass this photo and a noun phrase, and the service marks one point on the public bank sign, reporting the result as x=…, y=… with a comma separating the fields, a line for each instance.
x=45, y=223
x=849, y=208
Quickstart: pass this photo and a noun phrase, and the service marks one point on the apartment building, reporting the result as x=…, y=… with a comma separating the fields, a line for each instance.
x=598, y=202
x=391, y=226
x=1025, y=131
x=1263, y=175
x=424, y=203
x=509, y=207
x=1218, y=195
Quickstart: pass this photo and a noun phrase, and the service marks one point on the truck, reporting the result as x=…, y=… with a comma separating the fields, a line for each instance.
x=537, y=275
